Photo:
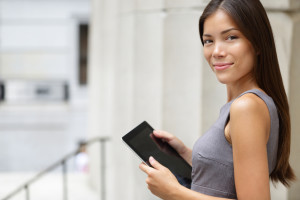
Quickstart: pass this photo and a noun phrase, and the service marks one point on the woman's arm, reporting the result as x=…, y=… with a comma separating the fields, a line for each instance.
x=178, y=145
x=249, y=129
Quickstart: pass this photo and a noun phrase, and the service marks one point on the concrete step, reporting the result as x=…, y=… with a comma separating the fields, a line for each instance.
x=49, y=187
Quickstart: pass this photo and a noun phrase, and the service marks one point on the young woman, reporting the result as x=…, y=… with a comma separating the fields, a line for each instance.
x=250, y=142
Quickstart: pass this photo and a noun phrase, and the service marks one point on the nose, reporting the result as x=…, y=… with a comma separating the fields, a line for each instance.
x=219, y=50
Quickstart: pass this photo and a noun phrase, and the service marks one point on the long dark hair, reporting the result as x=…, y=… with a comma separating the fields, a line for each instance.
x=252, y=20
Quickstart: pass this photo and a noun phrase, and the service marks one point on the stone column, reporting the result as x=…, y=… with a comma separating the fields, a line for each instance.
x=147, y=79
x=182, y=89
x=126, y=88
x=102, y=59
x=294, y=98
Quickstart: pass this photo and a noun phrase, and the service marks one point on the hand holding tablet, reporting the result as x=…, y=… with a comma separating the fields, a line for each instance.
x=144, y=143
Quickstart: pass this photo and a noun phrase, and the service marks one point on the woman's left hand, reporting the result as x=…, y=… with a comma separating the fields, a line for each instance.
x=161, y=181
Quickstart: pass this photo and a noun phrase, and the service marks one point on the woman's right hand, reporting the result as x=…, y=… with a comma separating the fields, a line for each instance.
x=177, y=144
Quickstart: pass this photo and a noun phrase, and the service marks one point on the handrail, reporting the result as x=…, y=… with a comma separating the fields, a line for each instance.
x=62, y=162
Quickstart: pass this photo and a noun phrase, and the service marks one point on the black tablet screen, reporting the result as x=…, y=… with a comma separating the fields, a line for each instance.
x=145, y=144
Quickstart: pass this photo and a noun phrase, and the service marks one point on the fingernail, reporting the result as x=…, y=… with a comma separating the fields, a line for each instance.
x=151, y=159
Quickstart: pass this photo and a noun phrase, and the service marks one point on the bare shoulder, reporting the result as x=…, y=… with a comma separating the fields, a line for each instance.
x=249, y=103
x=250, y=114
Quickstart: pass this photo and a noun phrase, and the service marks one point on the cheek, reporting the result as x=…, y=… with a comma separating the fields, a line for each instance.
x=207, y=54
x=246, y=51
x=245, y=55
x=249, y=58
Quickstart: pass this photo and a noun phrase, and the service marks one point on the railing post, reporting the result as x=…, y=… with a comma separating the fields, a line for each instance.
x=102, y=168
x=65, y=186
x=26, y=192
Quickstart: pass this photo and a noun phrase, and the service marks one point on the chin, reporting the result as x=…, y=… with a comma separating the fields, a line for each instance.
x=223, y=80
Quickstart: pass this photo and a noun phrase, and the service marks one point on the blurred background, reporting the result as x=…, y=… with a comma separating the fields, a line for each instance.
x=82, y=73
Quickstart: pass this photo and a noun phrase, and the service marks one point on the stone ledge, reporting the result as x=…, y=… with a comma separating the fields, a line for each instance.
x=156, y=5
x=127, y=6
x=283, y=5
x=185, y=3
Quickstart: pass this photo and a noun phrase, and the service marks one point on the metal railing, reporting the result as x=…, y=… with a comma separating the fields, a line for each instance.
x=63, y=163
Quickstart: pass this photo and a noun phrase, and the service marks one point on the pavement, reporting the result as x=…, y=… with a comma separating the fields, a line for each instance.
x=49, y=187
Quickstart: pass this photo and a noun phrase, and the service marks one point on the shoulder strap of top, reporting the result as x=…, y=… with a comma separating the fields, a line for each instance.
x=267, y=99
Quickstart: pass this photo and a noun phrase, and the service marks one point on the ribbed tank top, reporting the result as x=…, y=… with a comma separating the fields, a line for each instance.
x=212, y=160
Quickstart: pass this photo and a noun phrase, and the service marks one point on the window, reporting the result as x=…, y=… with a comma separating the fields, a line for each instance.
x=83, y=54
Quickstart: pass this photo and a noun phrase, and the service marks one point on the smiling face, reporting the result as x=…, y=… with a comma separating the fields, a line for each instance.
x=228, y=52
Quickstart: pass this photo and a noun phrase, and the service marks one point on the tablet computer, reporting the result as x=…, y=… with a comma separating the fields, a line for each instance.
x=143, y=142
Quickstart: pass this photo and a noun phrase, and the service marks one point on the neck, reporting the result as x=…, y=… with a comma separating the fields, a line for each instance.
x=234, y=90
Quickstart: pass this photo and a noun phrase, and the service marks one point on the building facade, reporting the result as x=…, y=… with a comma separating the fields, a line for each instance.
x=44, y=103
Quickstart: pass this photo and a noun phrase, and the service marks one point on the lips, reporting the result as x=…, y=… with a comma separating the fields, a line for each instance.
x=222, y=66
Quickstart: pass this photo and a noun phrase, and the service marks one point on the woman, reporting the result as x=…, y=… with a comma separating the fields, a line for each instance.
x=250, y=142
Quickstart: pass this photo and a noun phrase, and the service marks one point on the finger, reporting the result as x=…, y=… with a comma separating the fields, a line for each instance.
x=145, y=168
x=163, y=134
x=155, y=163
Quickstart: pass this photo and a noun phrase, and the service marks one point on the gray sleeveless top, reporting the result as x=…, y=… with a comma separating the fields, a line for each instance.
x=212, y=161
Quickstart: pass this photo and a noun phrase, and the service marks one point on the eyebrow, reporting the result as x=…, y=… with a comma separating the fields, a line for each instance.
x=223, y=32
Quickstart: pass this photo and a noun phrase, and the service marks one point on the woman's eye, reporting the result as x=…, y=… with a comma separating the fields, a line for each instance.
x=232, y=37
x=207, y=41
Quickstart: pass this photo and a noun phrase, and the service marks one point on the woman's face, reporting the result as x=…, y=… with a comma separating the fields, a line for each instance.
x=228, y=52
